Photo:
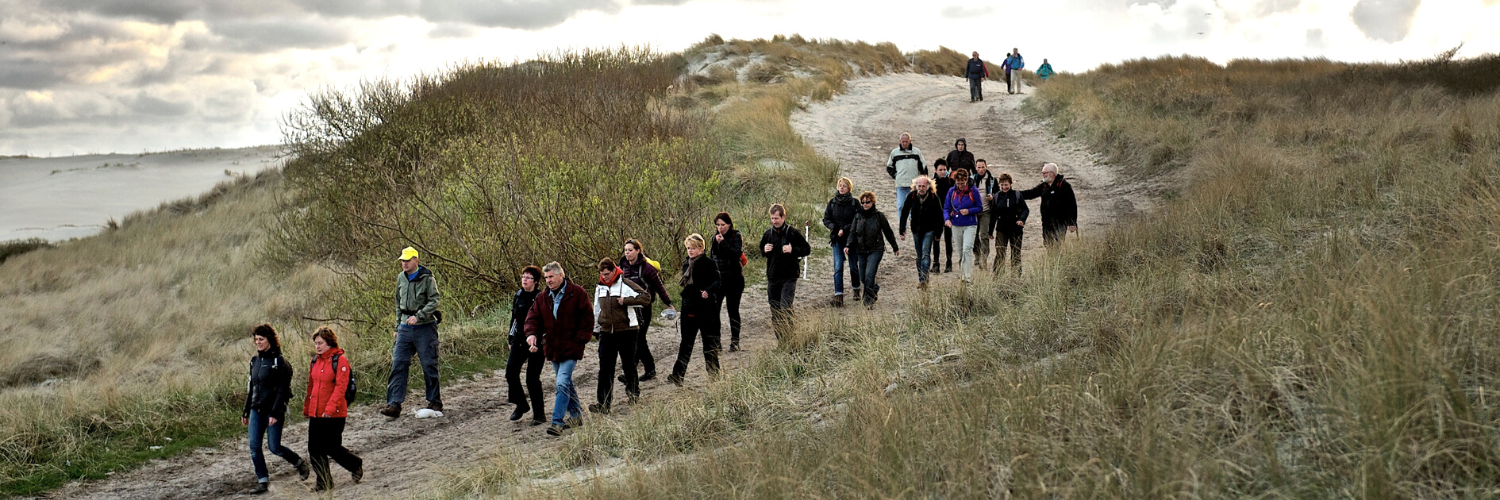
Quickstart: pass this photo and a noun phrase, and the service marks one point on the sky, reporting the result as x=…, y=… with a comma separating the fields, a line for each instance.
x=132, y=76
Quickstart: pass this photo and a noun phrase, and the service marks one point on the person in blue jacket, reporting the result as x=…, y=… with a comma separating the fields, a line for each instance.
x=1044, y=71
x=961, y=208
x=976, y=72
x=1016, y=65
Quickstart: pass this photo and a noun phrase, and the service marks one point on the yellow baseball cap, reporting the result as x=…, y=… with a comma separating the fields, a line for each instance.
x=408, y=253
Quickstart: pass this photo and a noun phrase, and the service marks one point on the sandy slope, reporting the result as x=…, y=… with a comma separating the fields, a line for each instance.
x=410, y=456
x=73, y=196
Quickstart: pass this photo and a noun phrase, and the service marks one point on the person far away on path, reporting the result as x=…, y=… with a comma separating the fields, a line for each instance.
x=1045, y=70
x=266, y=399
x=1009, y=216
x=522, y=354
x=976, y=72
x=700, y=309
x=865, y=246
x=961, y=212
x=729, y=254
x=1059, y=207
x=617, y=302
x=416, y=332
x=904, y=165
x=647, y=273
x=782, y=245
x=924, y=208
x=1016, y=64
x=944, y=183
x=984, y=181
x=960, y=158
x=837, y=217
x=561, y=322
x=326, y=408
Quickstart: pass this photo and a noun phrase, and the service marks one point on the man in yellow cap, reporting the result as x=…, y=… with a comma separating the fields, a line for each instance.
x=416, y=333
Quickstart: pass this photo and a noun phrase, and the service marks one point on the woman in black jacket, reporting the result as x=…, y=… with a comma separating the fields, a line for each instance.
x=865, y=246
x=269, y=392
x=728, y=250
x=837, y=217
x=523, y=354
x=700, y=309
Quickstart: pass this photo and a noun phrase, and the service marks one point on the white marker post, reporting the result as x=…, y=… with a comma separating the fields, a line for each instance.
x=806, y=226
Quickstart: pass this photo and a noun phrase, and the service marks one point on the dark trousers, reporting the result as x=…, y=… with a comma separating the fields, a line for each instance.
x=781, y=294
x=325, y=440
x=615, y=345
x=693, y=325
x=976, y=89
x=869, y=265
x=731, y=300
x=944, y=240
x=642, y=349
x=520, y=354
x=421, y=340
x=1011, y=240
x=1052, y=236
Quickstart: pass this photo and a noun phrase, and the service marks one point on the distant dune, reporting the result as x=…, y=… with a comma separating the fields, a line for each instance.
x=74, y=196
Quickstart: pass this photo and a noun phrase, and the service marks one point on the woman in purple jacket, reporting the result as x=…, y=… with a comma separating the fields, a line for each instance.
x=961, y=207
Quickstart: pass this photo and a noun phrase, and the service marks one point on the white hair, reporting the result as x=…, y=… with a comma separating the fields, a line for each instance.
x=554, y=267
x=1049, y=166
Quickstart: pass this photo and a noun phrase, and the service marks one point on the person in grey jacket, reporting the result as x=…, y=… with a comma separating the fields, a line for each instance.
x=416, y=333
x=904, y=165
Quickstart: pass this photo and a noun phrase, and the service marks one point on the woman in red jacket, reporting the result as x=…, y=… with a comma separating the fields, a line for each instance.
x=326, y=408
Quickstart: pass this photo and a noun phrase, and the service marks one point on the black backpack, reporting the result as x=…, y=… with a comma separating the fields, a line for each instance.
x=350, y=391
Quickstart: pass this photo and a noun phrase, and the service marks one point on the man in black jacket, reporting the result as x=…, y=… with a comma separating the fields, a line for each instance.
x=976, y=72
x=782, y=245
x=1009, y=216
x=924, y=208
x=1059, y=207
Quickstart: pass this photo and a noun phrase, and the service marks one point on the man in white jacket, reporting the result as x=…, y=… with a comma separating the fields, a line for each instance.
x=904, y=165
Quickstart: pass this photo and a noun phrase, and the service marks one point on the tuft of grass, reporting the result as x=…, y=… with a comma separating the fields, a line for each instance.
x=14, y=248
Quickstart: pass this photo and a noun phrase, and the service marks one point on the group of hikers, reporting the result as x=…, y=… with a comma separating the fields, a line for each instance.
x=977, y=72
x=554, y=318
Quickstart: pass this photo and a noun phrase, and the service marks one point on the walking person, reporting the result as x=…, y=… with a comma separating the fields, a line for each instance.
x=1044, y=71
x=560, y=323
x=1010, y=222
x=416, y=333
x=924, y=208
x=729, y=255
x=976, y=72
x=525, y=355
x=1005, y=66
x=782, y=245
x=985, y=182
x=961, y=159
x=865, y=245
x=1059, y=207
x=700, y=309
x=904, y=164
x=617, y=312
x=961, y=209
x=647, y=273
x=266, y=399
x=944, y=242
x=837, y=217
x=1017, y=63
x=326, y=408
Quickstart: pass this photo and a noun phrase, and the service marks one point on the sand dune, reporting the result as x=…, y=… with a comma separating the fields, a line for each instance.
x=74, y=196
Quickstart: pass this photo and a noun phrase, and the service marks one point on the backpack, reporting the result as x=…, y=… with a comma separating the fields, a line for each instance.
x=653, y=263
x=350, y=391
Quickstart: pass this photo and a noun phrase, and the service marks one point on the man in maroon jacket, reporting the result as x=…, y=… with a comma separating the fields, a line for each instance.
x=560, y=323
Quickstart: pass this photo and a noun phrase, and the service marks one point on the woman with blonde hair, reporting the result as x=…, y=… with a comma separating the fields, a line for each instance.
x=837, y=217
x=326, y=408
x=700, y=309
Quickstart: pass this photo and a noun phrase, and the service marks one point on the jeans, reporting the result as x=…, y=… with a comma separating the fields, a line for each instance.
x=869, y=264
x=838, y=270
x=733, y=292
x=325, y=440
x=924, y=253
x=520, y=354
x=1011, y=239
x=781, y=293
x=692, y=325
x=976, y=91
x=421, y=340
x=260, y=428
x=901, y=193
x=567, y=396
x=966, y=234
x=611, y=346
x=642, y=349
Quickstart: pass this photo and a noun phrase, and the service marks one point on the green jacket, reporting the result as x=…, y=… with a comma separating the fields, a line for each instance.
x=417, y=297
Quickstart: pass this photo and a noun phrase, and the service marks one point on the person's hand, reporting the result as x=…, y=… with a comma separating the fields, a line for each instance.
x=411, y=320
x=531, y=341
x=846, y=250
x=963, y=211
x=896, y=253
x=841, y=232
x=903, y=236
x=768, y=248
x=326, y=415
x=719, y=238
x=948, y=223
x=787, y=248
x=989, y=197
x=1021, y=223
x=622, y=300
x=244, y=421
x=705, y=294
x=1073, y=229
x=273, y=420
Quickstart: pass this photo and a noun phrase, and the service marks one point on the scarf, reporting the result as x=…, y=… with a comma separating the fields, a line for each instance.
x=687, y=272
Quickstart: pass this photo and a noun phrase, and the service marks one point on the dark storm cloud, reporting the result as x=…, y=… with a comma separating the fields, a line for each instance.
x=1386, y=20
x=153, y=106
x=29, y=74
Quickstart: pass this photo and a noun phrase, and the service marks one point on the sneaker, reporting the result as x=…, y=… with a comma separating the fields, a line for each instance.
x=303, y=469
x=554, y=430
x=357, y=474
x=260, y=488
x=675, y=379
x=521, y=410
x=438, y=406
x=598, y=408
x=392, y=410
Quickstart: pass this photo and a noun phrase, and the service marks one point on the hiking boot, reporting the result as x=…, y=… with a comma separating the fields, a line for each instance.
x=649, y=375
x=948, y=269
x=555, y=430
x=260, y=488
x=838, y=301
x=571, y=423
x=391, y=410
x=922, y=285
x=521, y=410
x=734, y=346
x=598, y=408
x=538, y=419
x=857, y=293
x=303, y=469
x=675, y=379
x=438, y=406
x=357, y=474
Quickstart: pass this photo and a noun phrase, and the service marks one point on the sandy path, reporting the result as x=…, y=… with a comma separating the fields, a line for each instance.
x=409, y=456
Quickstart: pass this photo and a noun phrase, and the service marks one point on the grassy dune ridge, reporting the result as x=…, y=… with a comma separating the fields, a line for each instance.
x=1311, y=313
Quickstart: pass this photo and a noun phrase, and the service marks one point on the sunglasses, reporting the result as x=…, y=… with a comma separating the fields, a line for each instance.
x=866, y=202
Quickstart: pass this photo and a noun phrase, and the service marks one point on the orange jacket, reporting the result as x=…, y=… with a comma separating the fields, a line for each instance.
x=325, y=389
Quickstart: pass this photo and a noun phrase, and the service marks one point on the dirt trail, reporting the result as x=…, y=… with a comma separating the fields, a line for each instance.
x=409, y=456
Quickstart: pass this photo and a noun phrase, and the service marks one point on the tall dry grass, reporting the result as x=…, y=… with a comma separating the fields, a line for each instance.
x=1311, y=313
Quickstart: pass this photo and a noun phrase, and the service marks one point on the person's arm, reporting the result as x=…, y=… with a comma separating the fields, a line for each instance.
x=307, y=399
x=710, y=270
x=890, y=160
x=765, y=239
x=885, y=227
x=1033, y=192
x=735, y=243
x=653, y=280
x=249, y=390
x=534, y=323
x=854, y=236
x=641, y=298
x=906, y=211
x=340, y=381
x=429, y=292
x=1023, y=212
x=947, y=208
x=800, y=248
x=1070, y=204
x=584, y=334
x=283, y=391
x=986, y=69
x=828, y=222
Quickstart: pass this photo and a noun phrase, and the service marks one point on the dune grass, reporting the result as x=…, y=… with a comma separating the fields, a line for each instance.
x=1311, y=313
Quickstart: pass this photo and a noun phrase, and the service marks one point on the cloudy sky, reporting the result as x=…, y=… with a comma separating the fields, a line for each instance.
x=127, y=76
